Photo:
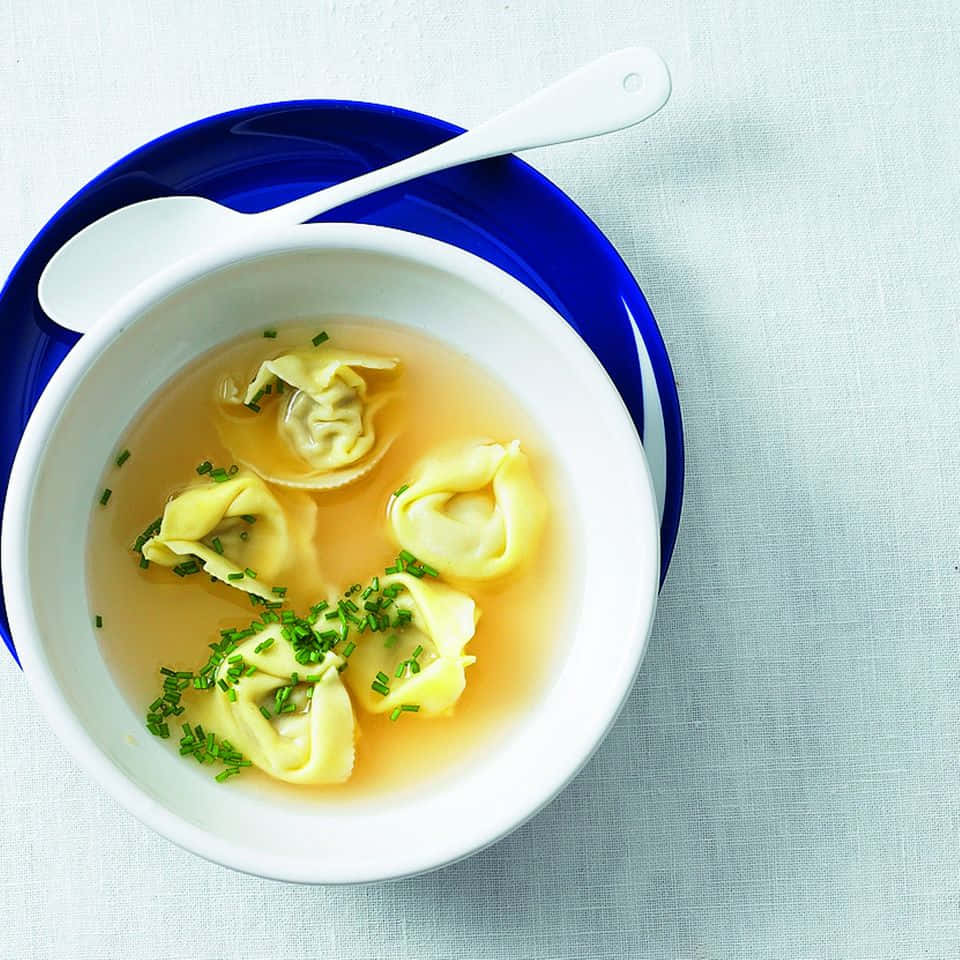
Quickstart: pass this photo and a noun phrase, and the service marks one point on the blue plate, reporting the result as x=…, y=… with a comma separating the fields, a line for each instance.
x=500, y=209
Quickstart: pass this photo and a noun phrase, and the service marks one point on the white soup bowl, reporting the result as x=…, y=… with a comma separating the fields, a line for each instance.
x=207, y=300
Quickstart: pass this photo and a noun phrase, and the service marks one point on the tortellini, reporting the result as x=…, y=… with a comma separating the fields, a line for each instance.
x=317, y=426
x=235, y=529
x=474, y=511
x=443, y=623
x=312, y=743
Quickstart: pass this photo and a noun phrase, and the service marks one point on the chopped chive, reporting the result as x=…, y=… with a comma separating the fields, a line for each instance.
x=415, y=571
x=244, y=534
x=349, y=648
x=265, y=645
x=279, y=591
x=255, y=407
x=395, y=715
x=233, y=469
x=375, y=583
x=232, y=695
x=414, y=666
x=391, y=641
x=217, y=545
x=401, y=667
x=266, y=713
x=258, y=396
x=407, y=556
x=410, y=707
x=98, y=620
x=389, y=570
x=400, y=490
x=105, y=496
x=270, y=334
x=382, y=677
x=279, y=386
x=321, y=337
x=123, y=458
x=416, y=653
x=204, y=467
x=234, y=576
x=380, y=688
x=248, y=518
x=430, y=570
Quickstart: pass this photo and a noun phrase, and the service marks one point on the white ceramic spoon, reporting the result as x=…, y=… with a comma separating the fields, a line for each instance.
x=107, y=259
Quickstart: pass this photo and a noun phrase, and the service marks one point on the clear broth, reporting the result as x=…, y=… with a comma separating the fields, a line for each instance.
x=153, y=618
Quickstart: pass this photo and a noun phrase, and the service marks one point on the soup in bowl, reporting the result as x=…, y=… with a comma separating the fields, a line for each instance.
x=332, y=555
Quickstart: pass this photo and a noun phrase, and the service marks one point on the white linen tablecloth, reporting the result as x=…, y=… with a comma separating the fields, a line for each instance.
x=784, y=780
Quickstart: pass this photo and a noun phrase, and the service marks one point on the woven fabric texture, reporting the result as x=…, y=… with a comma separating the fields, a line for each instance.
x=783, y=782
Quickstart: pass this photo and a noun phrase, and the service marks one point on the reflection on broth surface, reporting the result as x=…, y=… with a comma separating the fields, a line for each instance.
x=342, y=492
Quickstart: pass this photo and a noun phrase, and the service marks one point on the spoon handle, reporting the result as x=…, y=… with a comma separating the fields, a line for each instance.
x=614, y=92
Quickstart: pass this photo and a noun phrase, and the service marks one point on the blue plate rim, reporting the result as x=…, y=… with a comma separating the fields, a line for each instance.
x=650, y=333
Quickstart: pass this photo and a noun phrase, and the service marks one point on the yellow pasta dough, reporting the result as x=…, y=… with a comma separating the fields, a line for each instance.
x=472, y=511
x=207, y=521
x=443, y=622
x=322, y=407
x=313, y=743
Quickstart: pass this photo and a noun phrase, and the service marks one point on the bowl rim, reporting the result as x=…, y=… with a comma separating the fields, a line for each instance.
x=14, y=543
